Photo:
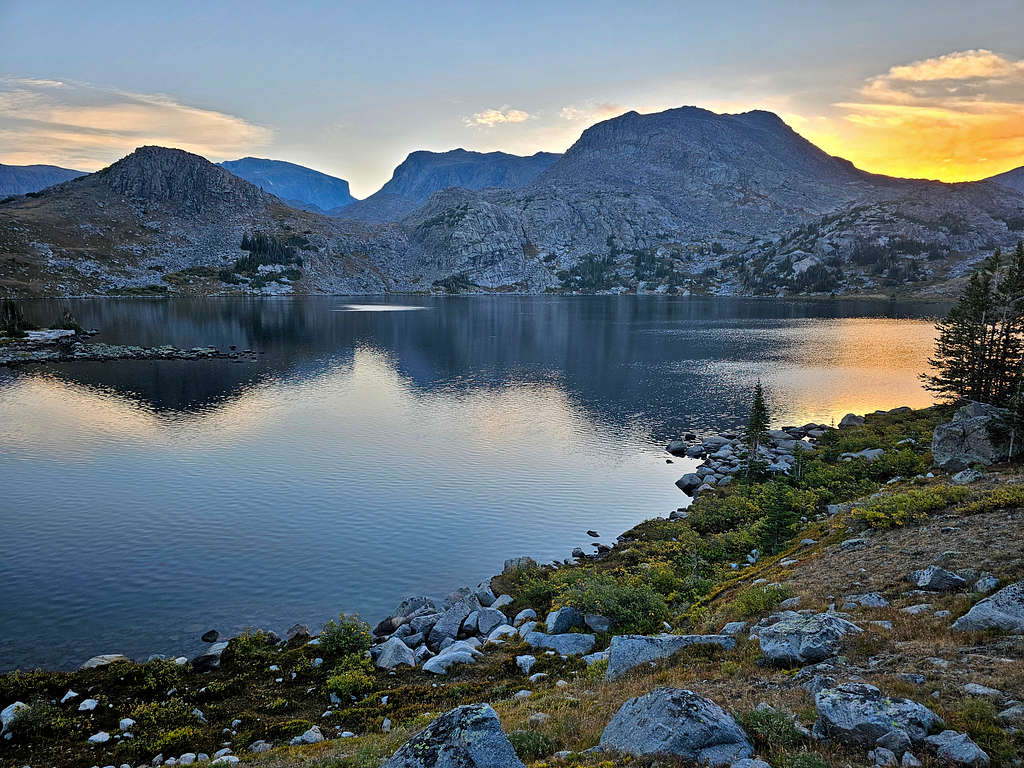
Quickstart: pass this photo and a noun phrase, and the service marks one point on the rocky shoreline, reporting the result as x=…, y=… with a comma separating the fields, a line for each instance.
x=61, y=346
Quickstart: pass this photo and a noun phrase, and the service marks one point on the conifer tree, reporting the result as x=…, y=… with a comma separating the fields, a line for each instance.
x=980, y=345
x=757, y=426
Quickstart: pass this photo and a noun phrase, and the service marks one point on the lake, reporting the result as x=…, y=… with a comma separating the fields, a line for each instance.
x=373, y=450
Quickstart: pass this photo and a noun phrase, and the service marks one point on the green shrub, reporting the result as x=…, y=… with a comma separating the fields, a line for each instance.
x=249, y=649
x=596, y=671
x=530, y=745
x=288, y=729
x=163, y=715
x=175, y=741
x=346, y=636
x=352, y=677
x=41, y=720
x=630, y=603
x=759, y=600
x=908, y=507
x=1004, y=497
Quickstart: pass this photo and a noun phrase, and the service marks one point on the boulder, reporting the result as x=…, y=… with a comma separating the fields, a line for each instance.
x=569, y=644
x=450, y=623
x=10, y=713
x=629, y=651
x=466, y=737
x=936, y=579
x=502, y=630
x=527, y=614
x=676, y=447
x=858, y=713
x=519, y=564
x=966, y=477
x=394, y=653
x=525, y=663
x=976, y=435
x=488, y=619
x=210, y=636
x=452, y=655
x=103, y=660
x=1004, y=610
x=672, y=721
x=799, y=640
x=689, y=482
x=957, y=749
x=851, y=420
x=210, y=658
x=312, y=736
x=416, y=603
x=597, y=623
x=563, y=620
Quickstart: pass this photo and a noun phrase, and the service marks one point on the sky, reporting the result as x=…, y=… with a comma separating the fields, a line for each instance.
x=931, y=89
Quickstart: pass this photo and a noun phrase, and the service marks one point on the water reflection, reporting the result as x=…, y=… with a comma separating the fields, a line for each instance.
x=363, y=456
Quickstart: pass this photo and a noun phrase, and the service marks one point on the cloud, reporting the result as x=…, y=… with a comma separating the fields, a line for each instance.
x=955, y=117
x=85, y=126
x=492, y=117
x=591, y=113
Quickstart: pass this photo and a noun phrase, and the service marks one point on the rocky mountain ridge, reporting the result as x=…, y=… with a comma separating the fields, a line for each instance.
x=423, y=173
x=297, y=185
x=25, y=179
x=680, y=202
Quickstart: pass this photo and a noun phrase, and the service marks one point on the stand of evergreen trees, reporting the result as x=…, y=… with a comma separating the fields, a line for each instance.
x=979, y=352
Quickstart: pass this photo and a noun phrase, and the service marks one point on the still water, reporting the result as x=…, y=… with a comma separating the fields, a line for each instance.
x=371, y=451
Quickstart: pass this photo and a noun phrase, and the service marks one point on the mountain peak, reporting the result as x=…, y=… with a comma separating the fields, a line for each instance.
x=178, y=178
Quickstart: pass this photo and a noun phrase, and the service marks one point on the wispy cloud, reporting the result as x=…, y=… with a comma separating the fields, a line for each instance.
x=489, y=118
x=954, y=117
x=591, y=113
x=85, y=126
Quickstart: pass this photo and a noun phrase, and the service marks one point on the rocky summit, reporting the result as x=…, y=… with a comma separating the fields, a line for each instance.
x=679, y=202
x=422, y=174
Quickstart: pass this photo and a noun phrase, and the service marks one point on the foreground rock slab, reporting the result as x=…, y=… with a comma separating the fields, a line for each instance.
x=673, y=721
x=1004, y=610
x=799, y=640
x=466, y=737
x=629, y=651
x=858, y=713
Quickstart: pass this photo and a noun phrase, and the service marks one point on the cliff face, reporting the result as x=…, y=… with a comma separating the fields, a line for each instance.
x=297, y=185
x=422, y=174
x=23, y=179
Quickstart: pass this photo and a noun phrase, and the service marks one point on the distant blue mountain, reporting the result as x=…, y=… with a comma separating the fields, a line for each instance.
x=297, y=185
x=22, y=179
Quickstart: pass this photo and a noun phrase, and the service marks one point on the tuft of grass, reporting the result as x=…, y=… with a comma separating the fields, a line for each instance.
x=531, y=745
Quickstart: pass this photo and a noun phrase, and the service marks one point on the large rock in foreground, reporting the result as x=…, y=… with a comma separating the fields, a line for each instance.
x=976, y=435
x=629, y=651
x=467, y=737
x=672, y=721
x=1004, y=610
x=798, y=640
x=858, y=713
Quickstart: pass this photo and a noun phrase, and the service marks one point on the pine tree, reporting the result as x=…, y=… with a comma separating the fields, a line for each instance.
x=978, y=353
x=757, y=426
x=780, y=519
